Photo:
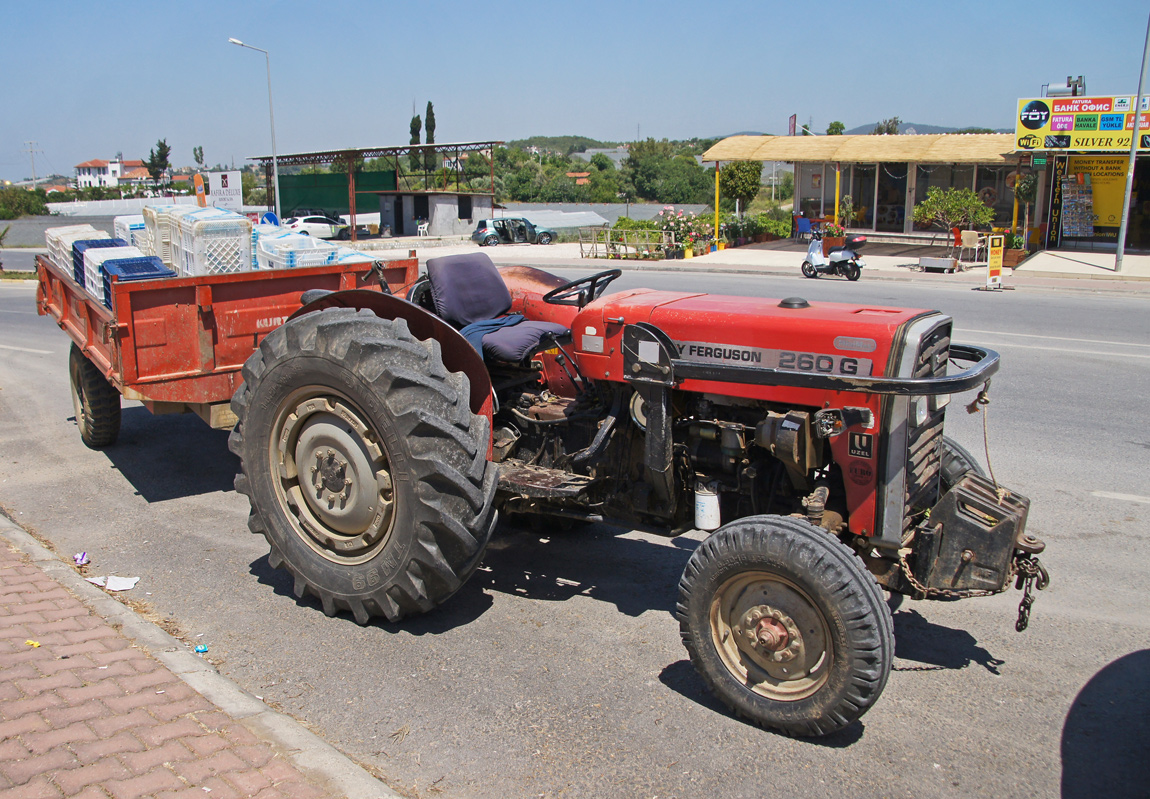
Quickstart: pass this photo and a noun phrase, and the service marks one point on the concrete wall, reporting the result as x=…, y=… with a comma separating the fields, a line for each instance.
x=444, y=214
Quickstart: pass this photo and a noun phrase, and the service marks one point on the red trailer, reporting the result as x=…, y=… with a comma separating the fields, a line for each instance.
x=178, y=344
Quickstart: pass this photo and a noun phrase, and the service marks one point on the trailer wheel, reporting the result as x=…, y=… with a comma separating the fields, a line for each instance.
x=365, y=468
x=957, y=460
x=95, y=401
x=786, y=625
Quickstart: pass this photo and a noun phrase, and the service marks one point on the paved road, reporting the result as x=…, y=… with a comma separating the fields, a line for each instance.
x=557, y=671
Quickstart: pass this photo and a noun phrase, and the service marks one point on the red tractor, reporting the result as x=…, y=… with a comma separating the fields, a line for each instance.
x=380, y=438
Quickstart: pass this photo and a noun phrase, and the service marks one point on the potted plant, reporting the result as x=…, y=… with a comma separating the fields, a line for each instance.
x=833, y=236
x=1015, y=250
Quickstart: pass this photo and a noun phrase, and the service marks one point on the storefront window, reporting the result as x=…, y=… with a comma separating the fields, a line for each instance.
x=862, y=194
x=992, y=190
x=944, y=176
x=891, y=208
x=810, y=190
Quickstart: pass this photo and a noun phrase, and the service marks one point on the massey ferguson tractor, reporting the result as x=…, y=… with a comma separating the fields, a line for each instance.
x=382, y=437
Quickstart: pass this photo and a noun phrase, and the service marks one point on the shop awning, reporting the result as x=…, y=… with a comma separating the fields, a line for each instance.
x=937, y=148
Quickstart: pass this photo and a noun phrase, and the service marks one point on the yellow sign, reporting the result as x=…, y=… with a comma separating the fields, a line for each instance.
x=1079, y=123
x=1108, y=178
x=994, y=267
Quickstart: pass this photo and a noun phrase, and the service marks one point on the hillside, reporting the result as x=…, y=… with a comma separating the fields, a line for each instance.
x=919, y=127
x=561, y=144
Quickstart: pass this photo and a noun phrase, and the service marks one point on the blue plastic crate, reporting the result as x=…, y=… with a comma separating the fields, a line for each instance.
x=144, y=268
x=78, y=248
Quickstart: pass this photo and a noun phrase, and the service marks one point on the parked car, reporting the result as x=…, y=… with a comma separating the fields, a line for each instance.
x=320, y=226
x=510, y=230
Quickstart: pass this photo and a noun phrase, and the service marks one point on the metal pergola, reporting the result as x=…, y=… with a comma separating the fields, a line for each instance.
x=427, y=180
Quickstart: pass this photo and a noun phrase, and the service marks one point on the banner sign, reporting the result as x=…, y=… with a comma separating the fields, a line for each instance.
x=994, y=267
x=227, y=190
x=1079, y=123
x=198, y=183
x=1054, y=232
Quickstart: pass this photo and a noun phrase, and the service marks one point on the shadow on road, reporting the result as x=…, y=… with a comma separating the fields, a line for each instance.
x=592, y=560
x=937, y=647
x=1106, y=736
x=171, y=457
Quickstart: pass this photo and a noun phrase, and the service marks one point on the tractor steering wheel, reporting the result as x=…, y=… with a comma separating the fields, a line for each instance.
x=582, y=291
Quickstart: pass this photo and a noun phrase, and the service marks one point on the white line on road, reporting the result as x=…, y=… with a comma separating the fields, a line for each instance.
x=25, y=349
x=1123, y=497
x=1067, y=351
x=1051, y=338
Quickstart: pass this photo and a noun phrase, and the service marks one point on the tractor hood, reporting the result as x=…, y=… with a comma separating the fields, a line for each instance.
x=827, y=337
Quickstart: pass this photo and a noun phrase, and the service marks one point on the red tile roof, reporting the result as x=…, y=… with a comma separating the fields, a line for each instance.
x=93, y=162
x=136, y=174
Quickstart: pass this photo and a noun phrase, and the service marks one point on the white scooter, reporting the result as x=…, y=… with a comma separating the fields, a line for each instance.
x=843, y=261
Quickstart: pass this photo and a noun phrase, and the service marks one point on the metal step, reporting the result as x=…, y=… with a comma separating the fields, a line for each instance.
x=540, y=482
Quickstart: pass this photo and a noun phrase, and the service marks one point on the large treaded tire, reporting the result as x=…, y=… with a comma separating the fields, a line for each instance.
x=430, y=481
x=957, y=461
x=95, y=401
x=808, y=574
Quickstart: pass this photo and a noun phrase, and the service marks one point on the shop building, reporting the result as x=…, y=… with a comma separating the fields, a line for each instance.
x=885, y=176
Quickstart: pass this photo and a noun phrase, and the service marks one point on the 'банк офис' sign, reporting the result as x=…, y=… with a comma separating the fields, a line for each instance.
x=1079, y=123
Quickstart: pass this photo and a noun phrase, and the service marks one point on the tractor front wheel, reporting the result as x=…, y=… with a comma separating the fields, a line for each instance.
x=786, y=625
x=366, y=470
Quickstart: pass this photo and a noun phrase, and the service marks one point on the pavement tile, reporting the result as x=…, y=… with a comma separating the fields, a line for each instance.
x=220, y=789
x=162, y=733
x=91, y=792
x=36, y=788
x=30, y=722
x=107, y=747
x=12, y=749
x=155, y=678
x=121, y=668
x=248, y=782
x=72, y=611
x=66, y=663
x=62, y=716
x=136, y=720
x=156, y=780
x=257, y=756
x=207, y=744
x=92, y=648
x=39, y=742
x=128, y=702
x=22, y=771
x=34, y=704
x=109, y=768
x=50, y=683
x=91, y=634
x=171, y=752
x=86, y=693
x=173, y=710
x=196, y=771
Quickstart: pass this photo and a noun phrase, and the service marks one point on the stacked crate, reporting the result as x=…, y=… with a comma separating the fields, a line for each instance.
x=145, y=268
x=212, y=241
x=80, y=248
x=95, y=258
x=291, y=250
x=131, y=229
x=60, y=243
x=159, y=231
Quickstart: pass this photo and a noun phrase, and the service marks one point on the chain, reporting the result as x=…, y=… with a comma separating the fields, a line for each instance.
x=1031, y=574
x=944, y=593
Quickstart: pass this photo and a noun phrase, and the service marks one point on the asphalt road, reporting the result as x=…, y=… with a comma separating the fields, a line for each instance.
x=558, y=671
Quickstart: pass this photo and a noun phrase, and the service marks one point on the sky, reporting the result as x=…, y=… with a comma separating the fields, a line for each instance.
x=90, y=79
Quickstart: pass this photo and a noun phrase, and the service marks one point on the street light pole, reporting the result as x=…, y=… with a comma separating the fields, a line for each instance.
x=272, y=115
x=1133, y=157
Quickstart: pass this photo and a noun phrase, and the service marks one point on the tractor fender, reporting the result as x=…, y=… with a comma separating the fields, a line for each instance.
x=458, y=355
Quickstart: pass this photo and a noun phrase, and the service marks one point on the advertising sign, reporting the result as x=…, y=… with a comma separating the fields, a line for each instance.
x=1108, y=179
x=994, y=267
x=1079, y=123
x=198, y=183
x=227, y=190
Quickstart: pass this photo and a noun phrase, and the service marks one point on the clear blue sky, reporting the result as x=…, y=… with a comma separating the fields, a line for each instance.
x=88, y=79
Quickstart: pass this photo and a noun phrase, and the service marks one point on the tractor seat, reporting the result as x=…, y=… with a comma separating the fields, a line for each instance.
x=468, y=292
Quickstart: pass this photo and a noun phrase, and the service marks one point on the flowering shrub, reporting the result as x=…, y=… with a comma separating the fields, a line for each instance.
x=684, y=227
x=833, y=231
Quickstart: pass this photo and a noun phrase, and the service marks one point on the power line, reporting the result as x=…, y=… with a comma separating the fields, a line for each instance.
x=32, y=154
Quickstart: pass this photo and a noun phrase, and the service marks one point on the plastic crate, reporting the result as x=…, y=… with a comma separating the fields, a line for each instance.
x=292, y=250
x=130, y=228
x=94, y=259
x=158, y=224
x=261, y=231
x=59, y=240
x=346, y=255
x=147, y=268
x=82, y=246
x=214, y=241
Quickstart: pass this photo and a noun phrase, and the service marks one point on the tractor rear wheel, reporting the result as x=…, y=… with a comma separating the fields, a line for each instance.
x=95, y=401
x=786, y=625
x=957, y=461
x=366, y=470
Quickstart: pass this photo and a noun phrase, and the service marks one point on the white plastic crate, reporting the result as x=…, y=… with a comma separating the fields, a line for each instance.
x=59, y=251
x=159, y=231
x=130, y=228
x=259, y=231
x=93, y=278
x=291, y=250
x=346, y=255
x=214, y=241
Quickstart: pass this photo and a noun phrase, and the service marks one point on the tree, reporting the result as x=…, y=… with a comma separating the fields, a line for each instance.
x=429, y=137
x=953, y=208
x=414, y=159
x=602, y=163
x=1026, y=190
x=836, y=128
x=198, y=154
x=157, y=163
x=888, y=127
x=741, y=181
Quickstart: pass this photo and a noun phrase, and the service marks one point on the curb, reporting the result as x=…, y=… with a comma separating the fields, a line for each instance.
x=306, y=750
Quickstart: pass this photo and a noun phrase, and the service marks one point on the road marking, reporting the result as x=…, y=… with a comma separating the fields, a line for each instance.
x=23, y=313
x=1051, y=338
x=25, y=349
x=1123, y=497
x=1014, y=346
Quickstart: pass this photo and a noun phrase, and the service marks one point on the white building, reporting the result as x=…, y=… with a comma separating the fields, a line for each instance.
x=99, y=172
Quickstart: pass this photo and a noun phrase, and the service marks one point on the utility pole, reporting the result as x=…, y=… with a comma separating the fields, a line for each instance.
x=32, y=154
x=1134, y=141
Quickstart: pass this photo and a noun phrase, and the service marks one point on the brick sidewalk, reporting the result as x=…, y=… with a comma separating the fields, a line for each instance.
x=88, y=713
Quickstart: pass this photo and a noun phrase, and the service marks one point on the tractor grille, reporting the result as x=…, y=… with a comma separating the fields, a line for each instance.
x=924, y=441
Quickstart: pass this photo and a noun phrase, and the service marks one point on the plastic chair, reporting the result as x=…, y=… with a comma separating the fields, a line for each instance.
x=421, y=229
x=970, y=240
x=802, y=227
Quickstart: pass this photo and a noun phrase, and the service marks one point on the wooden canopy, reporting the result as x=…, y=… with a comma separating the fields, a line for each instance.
x=936, y=148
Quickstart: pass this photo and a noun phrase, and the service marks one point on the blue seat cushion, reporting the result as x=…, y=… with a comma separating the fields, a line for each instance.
x=516, y=342
x=467, y=288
